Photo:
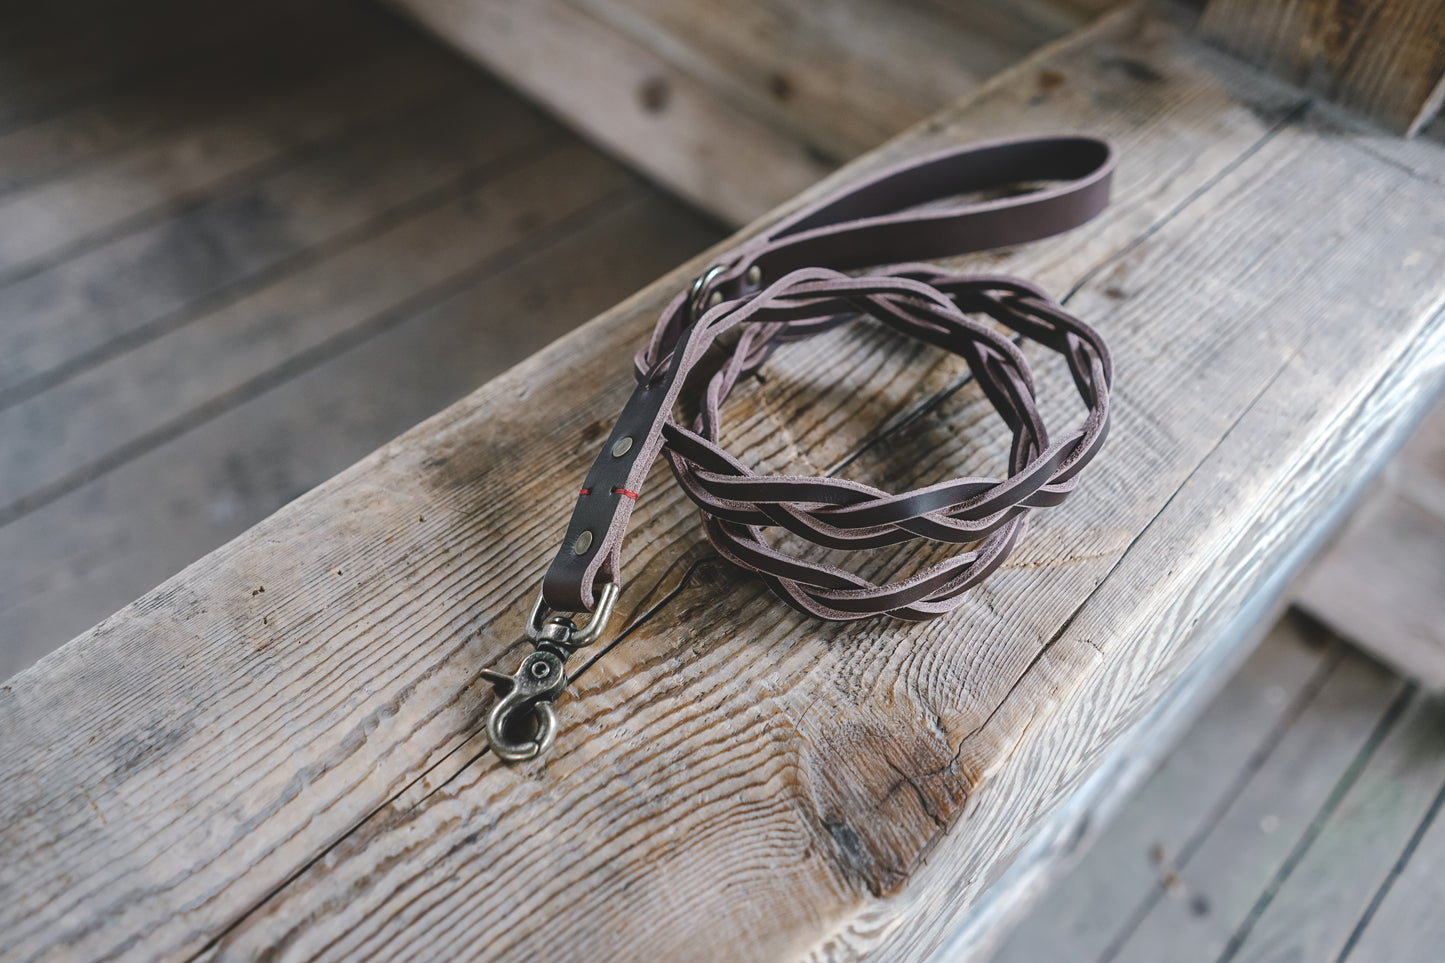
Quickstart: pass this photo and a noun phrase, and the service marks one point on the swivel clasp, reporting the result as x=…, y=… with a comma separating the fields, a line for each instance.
x=523, y=723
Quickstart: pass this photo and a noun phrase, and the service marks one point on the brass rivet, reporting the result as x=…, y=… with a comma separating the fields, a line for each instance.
x=754, y=277
x=623, y=446
x=583, y=543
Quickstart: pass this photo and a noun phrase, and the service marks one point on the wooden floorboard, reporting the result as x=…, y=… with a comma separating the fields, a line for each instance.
x=76, y=61
x=226, y=282
x=217, y=87
x=76, y=206
x=1296, y=820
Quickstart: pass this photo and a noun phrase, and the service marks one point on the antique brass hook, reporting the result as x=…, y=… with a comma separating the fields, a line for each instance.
x=523, y=723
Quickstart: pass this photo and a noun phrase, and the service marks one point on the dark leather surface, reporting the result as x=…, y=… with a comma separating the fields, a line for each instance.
x=801, y=290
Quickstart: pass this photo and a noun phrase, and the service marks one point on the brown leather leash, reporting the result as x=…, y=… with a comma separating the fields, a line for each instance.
x=786, y=284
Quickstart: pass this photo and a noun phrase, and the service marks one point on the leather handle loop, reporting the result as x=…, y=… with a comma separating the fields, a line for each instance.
x=784, y=284
x=878, y=221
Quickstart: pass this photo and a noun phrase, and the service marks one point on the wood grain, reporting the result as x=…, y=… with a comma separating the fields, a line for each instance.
x=842, y=75
x=737, y=107
x=143, y=283
x=624, y=96
x=733, y=780
x=1383, y=58
x=1266, y=822
x=1162, y=825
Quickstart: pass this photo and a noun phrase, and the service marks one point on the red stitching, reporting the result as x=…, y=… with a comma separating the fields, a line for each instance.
x=586, y=491
x=623, y=491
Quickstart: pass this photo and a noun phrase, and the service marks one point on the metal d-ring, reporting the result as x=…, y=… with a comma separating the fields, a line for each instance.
x=543, y=624
x=700, y=297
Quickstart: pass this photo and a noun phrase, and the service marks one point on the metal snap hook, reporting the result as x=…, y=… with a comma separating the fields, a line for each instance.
x=525, y=697
x=522, y=724
x=503, y=718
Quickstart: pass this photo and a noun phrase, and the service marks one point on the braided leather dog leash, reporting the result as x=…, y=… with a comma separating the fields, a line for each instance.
x=787, y=284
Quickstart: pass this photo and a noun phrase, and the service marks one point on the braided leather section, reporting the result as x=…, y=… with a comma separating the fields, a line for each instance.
x=987, y=514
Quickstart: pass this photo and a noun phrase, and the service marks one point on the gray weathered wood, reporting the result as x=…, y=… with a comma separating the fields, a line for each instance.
x=1407, y=925
x=1218, y=885
x=1080, y=917
x=154, y=177
x=624, y=96
x=738, y=107
x=1382, y=583
x=733, y=779
x=840, y=75
x=137, y=285
x=1310, y=911
x=1383, y=58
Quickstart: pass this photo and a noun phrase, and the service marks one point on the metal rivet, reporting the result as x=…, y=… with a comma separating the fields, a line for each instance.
x=714, y=299
x=754, y=277
x=623, y=446
x=540, y=670
x=583, y=543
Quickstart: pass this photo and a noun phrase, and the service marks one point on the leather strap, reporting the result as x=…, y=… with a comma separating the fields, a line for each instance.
x=787, y=283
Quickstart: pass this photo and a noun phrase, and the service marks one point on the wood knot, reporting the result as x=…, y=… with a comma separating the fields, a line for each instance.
x=654, y=94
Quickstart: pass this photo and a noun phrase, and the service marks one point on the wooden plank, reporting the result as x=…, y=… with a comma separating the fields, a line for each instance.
x=1081, y=916
x=738, y=778
x=141, y=284
x=253, y=66
x=738, y=107
x=1311, y=907
x=292, y=416
x=1383, y=58
x=621, y=94
x=41, y=79
x=497, y=208
x=1218, y=882
x=157, y=178
x=841, y=76
x=1406, y=925
x=1382, y=584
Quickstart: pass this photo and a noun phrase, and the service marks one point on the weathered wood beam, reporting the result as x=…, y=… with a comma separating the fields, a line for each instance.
x=623, y=95
x=280, y=750
x=1382, y=58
